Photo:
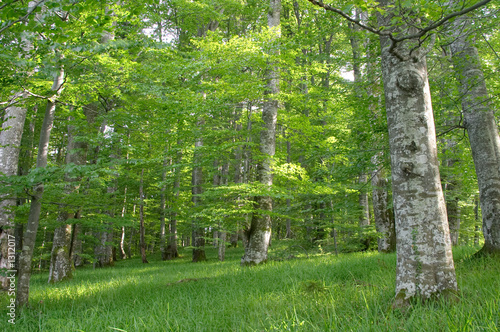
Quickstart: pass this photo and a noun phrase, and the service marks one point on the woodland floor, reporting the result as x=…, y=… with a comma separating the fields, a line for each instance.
x=322, y=292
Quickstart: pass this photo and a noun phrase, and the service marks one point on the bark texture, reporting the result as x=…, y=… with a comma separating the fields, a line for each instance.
x=61, y=266
x=259, y=233
x=141, y=217
x=383, y=215
x=10, y=140
x=424, y=259
x=29, y=238
x=197, y=190
x=482, y=130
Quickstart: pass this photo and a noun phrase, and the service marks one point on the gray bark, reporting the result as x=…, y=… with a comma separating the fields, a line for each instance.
x=259, y=233
x=424, y=259
x=142, y=230
x=76, y=246
x=103, y=251
x=197, y=190
x=364, y=218
x=163, y=206
x=61, y=267
x=10, y=140
x=482, y=130
x=384, y=218
x=29, y=237
x=171, y=251
x=60, y=264
x=289, y=233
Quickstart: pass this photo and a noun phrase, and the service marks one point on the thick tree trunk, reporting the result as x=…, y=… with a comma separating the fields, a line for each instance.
x=425, y=263
x=61, y=267
x=103, y=251
x=259, y=233
x=29, y=238
x=482, y=130
x=10, y=140
x=60, y=264
x=76, y=246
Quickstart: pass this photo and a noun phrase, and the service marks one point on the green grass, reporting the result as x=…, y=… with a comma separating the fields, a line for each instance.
x=352, y=292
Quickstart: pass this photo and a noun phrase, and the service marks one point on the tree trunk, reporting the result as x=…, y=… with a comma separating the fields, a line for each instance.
x=364, y=219
x=425, y=263
x=163, y=206
x=288, y=234
x=141, y=218
x=259, y=233
x=76, y=246
x=482, y=130
x=10, y=140
x=197, y=190
x=172, y=251
x=384, y=218
x=61, y=267
x=60, y=263
x=29, y=238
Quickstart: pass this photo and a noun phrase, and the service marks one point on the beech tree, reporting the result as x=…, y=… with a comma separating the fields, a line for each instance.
x=482, y=129
x=259, y=233
x=10, y=141
x=425, y=264
x=186, y=141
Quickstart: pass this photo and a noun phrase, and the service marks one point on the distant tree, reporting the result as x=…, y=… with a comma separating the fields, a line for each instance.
x=481, y=125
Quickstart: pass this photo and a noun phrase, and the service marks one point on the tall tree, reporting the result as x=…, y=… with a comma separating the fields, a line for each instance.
x=259, y=233
x=142, y=229
x=197, y=189
x=29, y=238
x=425, y=263
x=481, y=126
x=10, y=140
x=60, y=263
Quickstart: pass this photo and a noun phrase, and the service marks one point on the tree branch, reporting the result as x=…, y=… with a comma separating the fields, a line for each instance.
x=8, y=4
x=30, y=10
x=396, y=40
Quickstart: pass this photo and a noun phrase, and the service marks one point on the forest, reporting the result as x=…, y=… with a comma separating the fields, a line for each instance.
x=246, y=165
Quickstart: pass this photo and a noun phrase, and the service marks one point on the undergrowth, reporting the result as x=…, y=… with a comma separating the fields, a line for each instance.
x=322, y=292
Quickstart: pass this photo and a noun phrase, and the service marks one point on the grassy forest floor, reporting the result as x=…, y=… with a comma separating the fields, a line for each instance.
x=351, y=292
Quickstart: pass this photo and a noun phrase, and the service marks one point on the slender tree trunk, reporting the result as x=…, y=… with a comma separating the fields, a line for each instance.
x=10, y=140
x=141, y=218
x=482, y=130
x=364, y=218
x=197, y=190
x=29, y=238
x=163, y=206
x=103, y=251
x=288, y=234
x=259, y=233
x=425, y=263
x=172, y=251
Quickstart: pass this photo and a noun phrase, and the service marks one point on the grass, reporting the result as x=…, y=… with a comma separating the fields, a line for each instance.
x=351, y=292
